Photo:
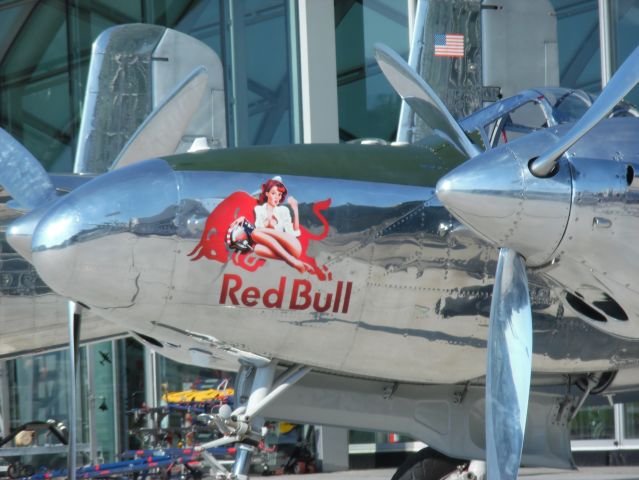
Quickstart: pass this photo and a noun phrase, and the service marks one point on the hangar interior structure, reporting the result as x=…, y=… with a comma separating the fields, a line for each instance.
x=294, y=71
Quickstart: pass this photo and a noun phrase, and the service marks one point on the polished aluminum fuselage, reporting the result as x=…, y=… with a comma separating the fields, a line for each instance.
x=420, y=282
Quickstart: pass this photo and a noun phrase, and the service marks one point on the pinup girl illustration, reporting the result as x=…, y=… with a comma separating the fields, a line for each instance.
x=275, y=234
x=250, y=231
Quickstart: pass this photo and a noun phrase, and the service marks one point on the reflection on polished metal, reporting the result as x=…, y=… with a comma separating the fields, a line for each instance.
x=420, y=280
x=619, y=85
x=509, y=367
x=497, y=196
x=422, y=99
x=242, y=463
x=120, y=244
x=137, y=200
x=20, y=231
x=162, y=130
x=135, y=72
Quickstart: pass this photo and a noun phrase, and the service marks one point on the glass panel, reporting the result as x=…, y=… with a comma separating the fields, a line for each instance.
x=180, y=377
x=625, y=19
x=357, y=437
x=631, y=420
x=202, y=21
x=131, y=381
x=104, y=405
x=368, y=106
x=578, y=38
x=34, y=92
x=183, y=384
x=259, y=70
x=593, y=423
x=39, y=393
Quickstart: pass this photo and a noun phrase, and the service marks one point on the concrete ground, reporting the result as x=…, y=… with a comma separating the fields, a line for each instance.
x=583, y=473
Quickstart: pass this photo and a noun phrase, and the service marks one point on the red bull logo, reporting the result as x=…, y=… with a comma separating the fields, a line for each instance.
x=253, y=231
x=299, y=296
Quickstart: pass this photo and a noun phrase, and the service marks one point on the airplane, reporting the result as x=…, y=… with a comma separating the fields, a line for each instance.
x=470, y=295
x=105, y=358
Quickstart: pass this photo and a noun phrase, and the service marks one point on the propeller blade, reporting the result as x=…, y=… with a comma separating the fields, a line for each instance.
x=75, y=319
x=422, y=99
x=509, y=366
x=162, y=130
x=624, y=79
x=22, y=175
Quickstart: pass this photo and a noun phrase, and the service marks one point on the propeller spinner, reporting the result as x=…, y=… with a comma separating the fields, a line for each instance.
x=517, y=197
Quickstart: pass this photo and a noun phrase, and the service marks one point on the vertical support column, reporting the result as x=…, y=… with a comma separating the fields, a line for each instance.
x=116, y=395
x=5, y=415
x=332, y=448
x=620, y=430
x=318, y=71
x=605, y=42
x=150, y=383
x=93, y=439
x=74, y=312
x=295, y=79
x=411, y=8
x=239, y=87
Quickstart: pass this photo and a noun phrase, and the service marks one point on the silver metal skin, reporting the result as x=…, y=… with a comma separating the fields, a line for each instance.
x=509, y=366
x=20, y=231
x=421, y=283
x=243, y=461
x=580, y=220
x=120, y=245
x=118, y=95
x=417, y=281
x=162, y=130
x=185, y=54
x=597, y=259
x=121, y=203
x=496, y=195
x=624, y=79
x=22, y=175
x=134, y=69
x=422, y=99
x=279, y=388
x=457, y=81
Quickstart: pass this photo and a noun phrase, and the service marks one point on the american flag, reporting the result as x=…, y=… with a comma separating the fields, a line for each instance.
x=449, y=45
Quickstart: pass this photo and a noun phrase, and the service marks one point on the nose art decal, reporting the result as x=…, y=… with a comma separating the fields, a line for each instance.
x=253, y=231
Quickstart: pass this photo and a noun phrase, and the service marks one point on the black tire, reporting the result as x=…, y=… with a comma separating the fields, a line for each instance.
x=427, y=464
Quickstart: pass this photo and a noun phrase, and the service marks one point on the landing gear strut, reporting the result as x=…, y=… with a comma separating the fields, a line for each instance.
x=256, y=388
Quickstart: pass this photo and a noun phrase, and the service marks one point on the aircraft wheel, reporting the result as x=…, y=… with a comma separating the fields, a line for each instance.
x=427, y=464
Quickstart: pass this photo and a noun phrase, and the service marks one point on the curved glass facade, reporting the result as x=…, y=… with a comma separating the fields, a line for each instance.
x=368, y=106
x=45, y=49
